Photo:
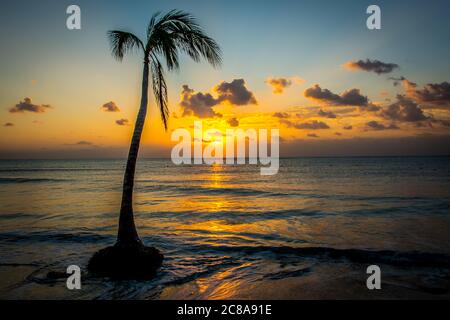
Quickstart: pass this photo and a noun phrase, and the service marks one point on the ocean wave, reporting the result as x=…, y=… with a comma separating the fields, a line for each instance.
x=202, y=190
x=288, y=274
x=18, y=215
x=389, y=257
x=29, y=180
x=79, y=237
x=15, y=170
x=175, y=189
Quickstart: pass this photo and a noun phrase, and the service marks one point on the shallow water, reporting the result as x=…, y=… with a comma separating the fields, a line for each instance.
x=227, y=232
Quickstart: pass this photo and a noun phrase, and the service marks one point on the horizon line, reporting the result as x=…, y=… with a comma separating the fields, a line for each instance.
x=284, y=157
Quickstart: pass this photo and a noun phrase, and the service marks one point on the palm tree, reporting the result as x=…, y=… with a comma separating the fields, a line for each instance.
x=167, y=36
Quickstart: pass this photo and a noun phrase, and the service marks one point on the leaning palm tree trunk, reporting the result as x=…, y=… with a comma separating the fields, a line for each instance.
x=127, y=234
x=167, y=36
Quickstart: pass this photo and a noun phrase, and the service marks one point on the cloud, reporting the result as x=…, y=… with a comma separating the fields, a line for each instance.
x=326, y=114
x=82, y=143
x=201, y=104
x=198, y=104
x=28, y=106
x=279, y=84
x=370, y=66
x=235, y=93
x=8, y=124
x=313, y=125
x=281, y=115
x=375, y=125
x=398, y=80
x=405, y=110
x=233, y=122
x=370, y=107
x=436, y=94
x=312, y=135
x=122, y=122
x=350, y=97
x=110, y=107
x=350, y=127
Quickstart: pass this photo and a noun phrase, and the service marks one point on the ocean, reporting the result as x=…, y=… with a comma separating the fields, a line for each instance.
x=227, y=232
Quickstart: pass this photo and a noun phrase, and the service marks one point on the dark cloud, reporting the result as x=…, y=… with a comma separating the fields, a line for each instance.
x=405, y=110
x=313, y=125
x=370, y=107
x=233, y=122
x=8, y=124
x=82, y=143
x=397, y=81
x=312, y=135
x=348, y=127
x=278, y=84
x=235, y=93
x=28, y=106
x=201, y=104
x=375, y=125
x=110, y=107
x=371, y=66
x=436, y=94
x=281, y=115
x=326, y=114
x=351, y=97
x=122, y=122
x=338, y=134
x=198, y=104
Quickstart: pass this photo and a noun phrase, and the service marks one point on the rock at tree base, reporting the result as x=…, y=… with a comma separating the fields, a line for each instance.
x=126, y=262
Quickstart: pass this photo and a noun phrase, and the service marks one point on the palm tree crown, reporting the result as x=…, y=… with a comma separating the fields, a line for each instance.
x=167, y=36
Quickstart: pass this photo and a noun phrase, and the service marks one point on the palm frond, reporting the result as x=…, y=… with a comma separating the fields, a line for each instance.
x=122, y=43
x=151, y=24
x=179, y=31
x=160, y=89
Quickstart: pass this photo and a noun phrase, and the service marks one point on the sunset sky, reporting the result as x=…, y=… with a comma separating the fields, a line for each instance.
x=310, y=68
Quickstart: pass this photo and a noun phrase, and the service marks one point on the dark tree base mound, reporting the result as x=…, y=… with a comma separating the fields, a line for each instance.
x=126, y=262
